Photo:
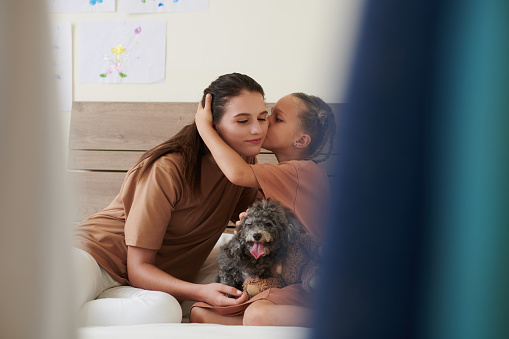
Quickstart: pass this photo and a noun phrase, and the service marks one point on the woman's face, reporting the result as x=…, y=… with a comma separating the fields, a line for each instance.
x=244, y=123
x=284, y=129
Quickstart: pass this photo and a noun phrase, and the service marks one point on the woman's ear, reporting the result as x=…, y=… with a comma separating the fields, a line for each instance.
x=303, y=141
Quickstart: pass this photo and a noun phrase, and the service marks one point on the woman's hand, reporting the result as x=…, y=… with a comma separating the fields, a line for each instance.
x=203, y=116
x=215, y=295
x=143, y=274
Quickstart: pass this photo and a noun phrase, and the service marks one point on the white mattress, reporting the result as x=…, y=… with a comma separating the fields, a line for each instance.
x=192, y=331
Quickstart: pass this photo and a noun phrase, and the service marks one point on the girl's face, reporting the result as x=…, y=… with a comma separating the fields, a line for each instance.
x=244, y=123
x=284, y=129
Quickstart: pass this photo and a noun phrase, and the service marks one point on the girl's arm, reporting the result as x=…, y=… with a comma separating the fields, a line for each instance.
x=144, y=274
x=230, y=162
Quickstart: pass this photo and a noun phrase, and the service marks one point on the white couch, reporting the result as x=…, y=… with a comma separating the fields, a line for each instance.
x=207, y=274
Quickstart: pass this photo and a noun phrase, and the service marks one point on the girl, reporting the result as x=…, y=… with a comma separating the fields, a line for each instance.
x=301, y=133
x=173, y=206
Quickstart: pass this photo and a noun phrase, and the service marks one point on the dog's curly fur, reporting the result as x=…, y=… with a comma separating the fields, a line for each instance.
x=268, y=222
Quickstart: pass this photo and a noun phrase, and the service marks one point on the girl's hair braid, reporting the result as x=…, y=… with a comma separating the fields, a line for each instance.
x=317, y=119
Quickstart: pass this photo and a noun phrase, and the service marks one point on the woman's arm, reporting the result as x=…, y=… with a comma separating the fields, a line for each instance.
x=143, y=273
x=230, y=162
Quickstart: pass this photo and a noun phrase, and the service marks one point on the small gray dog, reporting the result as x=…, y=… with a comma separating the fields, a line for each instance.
x=261, y=243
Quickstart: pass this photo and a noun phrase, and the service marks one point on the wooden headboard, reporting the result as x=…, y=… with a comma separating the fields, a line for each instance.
x=107, y=138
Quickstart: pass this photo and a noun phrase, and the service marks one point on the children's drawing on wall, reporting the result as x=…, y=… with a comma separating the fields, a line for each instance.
x=116, y=61
x=158, y=6
x=70, y=6
x=122, y=51
x=61, y=42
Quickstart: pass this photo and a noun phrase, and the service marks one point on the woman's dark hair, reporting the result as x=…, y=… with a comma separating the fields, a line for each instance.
x=317, y=119
x=187, y=142
x=225, y=88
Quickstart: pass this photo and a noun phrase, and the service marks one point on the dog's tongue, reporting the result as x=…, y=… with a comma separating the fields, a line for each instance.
x=258, y=250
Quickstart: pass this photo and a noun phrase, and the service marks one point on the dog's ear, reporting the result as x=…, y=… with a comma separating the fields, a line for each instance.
x=294, y=227
x=292, y=237
x=233, y=248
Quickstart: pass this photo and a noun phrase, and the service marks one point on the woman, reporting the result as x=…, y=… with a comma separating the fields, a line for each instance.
x=172, y=208
x=301, y=133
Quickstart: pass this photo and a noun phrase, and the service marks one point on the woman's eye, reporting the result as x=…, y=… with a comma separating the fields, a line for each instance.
x=262, y=119
x=241, y=121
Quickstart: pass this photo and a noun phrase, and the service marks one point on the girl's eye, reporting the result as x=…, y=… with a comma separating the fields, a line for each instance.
x=278, y=120
x=262, y=119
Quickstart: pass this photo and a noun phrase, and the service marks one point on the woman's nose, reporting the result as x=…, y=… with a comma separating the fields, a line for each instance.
x=257, y=128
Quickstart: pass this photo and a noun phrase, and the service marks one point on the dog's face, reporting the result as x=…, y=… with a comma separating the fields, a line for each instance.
x=266, y=230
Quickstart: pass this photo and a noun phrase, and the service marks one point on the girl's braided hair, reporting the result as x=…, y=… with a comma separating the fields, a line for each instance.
x=317, y=119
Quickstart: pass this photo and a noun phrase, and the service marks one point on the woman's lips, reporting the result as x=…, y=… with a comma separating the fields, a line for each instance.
x=255, y=141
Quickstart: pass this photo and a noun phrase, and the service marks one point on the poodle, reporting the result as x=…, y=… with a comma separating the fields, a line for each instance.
x=260, y=245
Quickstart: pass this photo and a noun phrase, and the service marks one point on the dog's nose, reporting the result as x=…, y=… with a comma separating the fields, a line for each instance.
x=257, y=236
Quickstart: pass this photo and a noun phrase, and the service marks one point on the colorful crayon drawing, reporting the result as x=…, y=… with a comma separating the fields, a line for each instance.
x=70, y=6
x=116, y=62
x=123, y=51
x=158, y=6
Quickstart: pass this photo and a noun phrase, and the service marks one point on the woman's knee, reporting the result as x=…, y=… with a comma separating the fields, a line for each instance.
x=144, y=306
x=86, y=276
x=258, y=313
x=158, y=307
x=164, y=307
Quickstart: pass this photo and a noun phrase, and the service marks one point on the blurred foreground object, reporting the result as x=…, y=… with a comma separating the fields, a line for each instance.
x=418, y=246
x=34, y=249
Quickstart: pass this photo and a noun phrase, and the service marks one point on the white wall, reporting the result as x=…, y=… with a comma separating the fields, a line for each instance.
x=286, y=45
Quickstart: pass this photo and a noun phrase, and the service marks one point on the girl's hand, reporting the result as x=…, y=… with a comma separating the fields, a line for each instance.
x=215, y=295
x=203, y=115
x=242, y=216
